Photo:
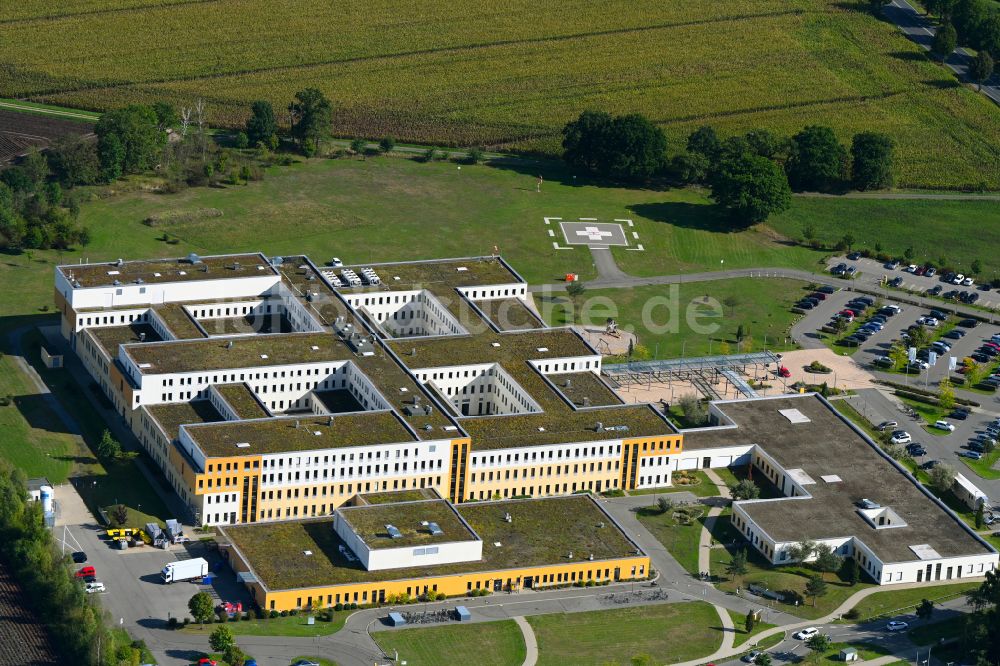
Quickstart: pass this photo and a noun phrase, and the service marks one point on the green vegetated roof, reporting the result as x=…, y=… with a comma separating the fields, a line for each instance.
x=173, y=416
x=177, y=319
x=576, y=386
x=391, y=496
x=541, y=532
x=242, y=399
x=288, y=434
x=509, y=314
x=369, y=523
x=168, y=270
x=110, y=337
x=435, y=275
x=558, y=422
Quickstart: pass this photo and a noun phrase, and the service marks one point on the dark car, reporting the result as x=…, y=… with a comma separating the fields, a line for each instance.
x=954, y=334
x=930, y=464
x=839, y=269
x=935, y=290
x=968, y=323
x=79, y=557
x=805, y=305
x=854, y=256
x=948, y=277
x=979, y=357
x=895, y=282
x=826, y=289
x=989, y=351
x=959, y=415
x=973, y=297
x=916, y=451
x=819, y=295
x=940, y=316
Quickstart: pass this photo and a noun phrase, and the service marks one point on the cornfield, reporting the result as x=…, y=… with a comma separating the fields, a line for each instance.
x=510, y=73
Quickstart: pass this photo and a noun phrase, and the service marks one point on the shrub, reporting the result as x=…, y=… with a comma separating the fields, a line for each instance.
x=172, y=623
x=852, y=614
x=186, y=621
x=440, y=596
x=284, y=613
x=293, y=612
x=339, y=607
x=259, y=613
x=274, y=614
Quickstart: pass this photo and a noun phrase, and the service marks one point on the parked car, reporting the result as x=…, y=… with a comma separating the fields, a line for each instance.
x=959, y=414
x=839, y=269
x=806, y=634
x=968, y=282
x=918, y=365
x=892, y=265
x=96, y=586
x=912, y=268
x=930, y=464
x=79, y=557
x=930, y=272
x=935, y=290
x=851, y=271
x=854, y=256
x=941, y=424
x=336, y=262
x=958, y=279
x=954, y=334
x=968, y=323
x=818, y=295
x=886, y=425
x=916, y=450
x=827, y=289
x=805, y=305
x=895, y=282
x=784, y=372
x=979, y=357
x=896, y=625
x=85, y=571
x=974, y=455
x=883, y=362
x=901, y=437
x=750, y=657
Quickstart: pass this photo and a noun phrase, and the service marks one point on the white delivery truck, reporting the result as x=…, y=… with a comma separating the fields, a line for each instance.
x=184, y=570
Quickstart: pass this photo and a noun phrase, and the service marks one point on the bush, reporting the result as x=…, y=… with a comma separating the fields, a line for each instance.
x=187, y=620
x=339, y=607
x=440, y=596
x=274, y=614
x=293, y=612
x=284, y=613
x=172, y=623
x=259, y=613
x=852, y=614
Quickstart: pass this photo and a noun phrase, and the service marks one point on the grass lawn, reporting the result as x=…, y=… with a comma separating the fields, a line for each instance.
x=789, y=580
x=893, y=602
x=866, y=651
x=487, y=643
x=743, y=639
x=944, y=227
x=985, y=466
x=278, y=626
x=930, y=634
x=676, y=320
x=681, y=541
x=670, y=633
x=33, y=438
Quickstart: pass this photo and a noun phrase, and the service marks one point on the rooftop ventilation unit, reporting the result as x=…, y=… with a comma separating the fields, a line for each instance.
x=236, y=266
x=307, y=553
x=394, y=532
x=462, y=269
x=229, y=344
x=119, y=262
x=599, y=427
x=142, y=337
x=507, y=518
x=586, y=401
x=243, y=445
x=543, y=349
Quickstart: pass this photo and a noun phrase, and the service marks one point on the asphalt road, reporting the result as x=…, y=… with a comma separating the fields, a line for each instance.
x=920, y=30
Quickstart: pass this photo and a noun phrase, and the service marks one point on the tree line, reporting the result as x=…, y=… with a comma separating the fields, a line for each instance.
x=972, y=23
x=752, y=175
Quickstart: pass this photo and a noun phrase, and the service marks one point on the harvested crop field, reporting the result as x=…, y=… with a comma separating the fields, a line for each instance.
x=510, y=73
x=25, y=642
x=20, y=132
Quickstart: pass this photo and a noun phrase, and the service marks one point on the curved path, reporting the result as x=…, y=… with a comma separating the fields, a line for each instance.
x=530, y=644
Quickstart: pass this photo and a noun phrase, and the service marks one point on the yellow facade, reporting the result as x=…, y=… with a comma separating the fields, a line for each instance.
x=454, y=585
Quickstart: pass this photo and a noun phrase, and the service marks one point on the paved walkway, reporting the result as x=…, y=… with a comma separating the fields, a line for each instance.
x=705, y=539
x=530, y=644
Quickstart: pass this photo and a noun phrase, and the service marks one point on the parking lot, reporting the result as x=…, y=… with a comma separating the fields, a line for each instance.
x=871, y=274
x=135, y=593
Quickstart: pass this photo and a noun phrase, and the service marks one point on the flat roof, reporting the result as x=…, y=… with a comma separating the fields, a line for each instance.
x=576, y=386
x=242, y=400
x=434, y=275
x=509, y=314
x=541, y=532
x=390, y=496
x=111, y=337
x=173, y=415
x=168, y=270
x=825, y=444
x=288, y=434
x=409, y=518
x=178, y=320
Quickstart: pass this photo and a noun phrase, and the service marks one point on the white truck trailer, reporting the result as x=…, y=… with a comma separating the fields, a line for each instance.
x=184, y=570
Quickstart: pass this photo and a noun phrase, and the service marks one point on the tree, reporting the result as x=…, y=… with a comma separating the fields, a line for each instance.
x=731, y=301
x=946, y=394
x=73, y=160
x=942, y=478
x=853, y=572
x=763, y=659
x=626, y=147
x=663, y=504
x=358, y=146
x=750, y=622
x=751, y=187
x=762, y=142
x=201, y=607
x=704, y=141
x=312, y=120
x=575, y=289
x=827, y=561
x=977, y=266
x=120, y=514
x=925, y=609
x=234, y=656
x=737, y=566
x=166, y=115
x=848, y=241
x=817, y=161
x=108, y=448
x=693, y=409
x=981, y=68
x=690, y=167
x=474, y=155
x=802, y=551
x=979, y=518
x=941, y=8
x=221, y=639
x=262, y=126
x=809, y=233
x=139, y=138
x=111, y=155
x=815, y=587
x=744, y=489
x=819, y=642
x=387, y=144
x=872, y=161
x=944, y=42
